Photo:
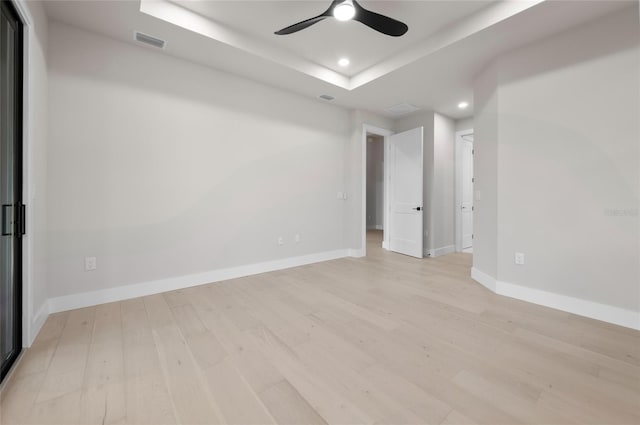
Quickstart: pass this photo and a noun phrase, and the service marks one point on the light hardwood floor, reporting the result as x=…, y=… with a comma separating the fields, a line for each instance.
x=386, y=339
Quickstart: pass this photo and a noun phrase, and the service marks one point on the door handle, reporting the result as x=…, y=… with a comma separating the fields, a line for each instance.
x=417, y=208
x=21, y=225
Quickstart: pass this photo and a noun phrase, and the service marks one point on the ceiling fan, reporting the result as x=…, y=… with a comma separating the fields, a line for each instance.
x=344, y=10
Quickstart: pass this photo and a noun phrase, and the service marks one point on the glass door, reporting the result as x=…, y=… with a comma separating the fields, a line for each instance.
x=12, y=210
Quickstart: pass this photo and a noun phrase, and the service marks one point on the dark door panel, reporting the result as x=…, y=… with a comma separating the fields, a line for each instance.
x=10, y=186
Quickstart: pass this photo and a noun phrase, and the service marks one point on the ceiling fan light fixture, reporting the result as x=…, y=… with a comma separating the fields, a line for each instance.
x=344, y=11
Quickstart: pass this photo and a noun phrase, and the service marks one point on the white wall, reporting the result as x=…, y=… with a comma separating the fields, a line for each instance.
x=464, y=124
x=485, y=170
x=35, y=293
x=558, y=121
x=162, y=168
x=375, y=182
x=443, y=199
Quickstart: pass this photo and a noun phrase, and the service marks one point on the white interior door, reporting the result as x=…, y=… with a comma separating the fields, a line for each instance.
x=405, y=192
x=467, y=192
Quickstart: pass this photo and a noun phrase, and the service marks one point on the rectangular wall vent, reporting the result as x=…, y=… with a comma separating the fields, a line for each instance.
x=148, y=39
x=402, y=109
x=326, y=97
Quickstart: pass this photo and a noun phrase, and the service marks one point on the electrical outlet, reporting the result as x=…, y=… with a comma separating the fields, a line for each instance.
x=90, y=264
x=519, y=258
x=280, y=240
x=297, y=238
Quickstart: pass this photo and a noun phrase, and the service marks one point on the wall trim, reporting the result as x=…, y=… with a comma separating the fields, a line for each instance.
x=437, y=252
x=119, y=293
x=606, y=313
x=484, y=279
x=37, y=322
x=356, y=253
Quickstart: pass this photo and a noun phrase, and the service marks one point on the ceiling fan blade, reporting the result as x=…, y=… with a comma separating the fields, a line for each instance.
x=381, y=23
x=307, y=23
x=300, y=25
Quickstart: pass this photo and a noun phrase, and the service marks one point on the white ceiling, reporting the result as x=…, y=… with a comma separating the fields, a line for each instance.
x=329, y=40
x=432, y=66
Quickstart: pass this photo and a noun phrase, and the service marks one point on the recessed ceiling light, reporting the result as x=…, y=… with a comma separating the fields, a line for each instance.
x=344, y=62
x=344, y=11
x=463, y=105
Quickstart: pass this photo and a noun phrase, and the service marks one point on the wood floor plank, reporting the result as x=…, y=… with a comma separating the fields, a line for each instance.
x=103, y=389
x=18, y=399
x=147, y=397
x=238, y=402
x=38, y=357
x=148, y=401
x=66, y=370
x=191, y=398
x=287, y=406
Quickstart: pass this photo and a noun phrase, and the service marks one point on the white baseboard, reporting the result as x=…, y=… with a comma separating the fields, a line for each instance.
x=484, y=279
x=87, y=299
x=356, y=253
x=440, y=251
x=38, y=321
x=606, y=313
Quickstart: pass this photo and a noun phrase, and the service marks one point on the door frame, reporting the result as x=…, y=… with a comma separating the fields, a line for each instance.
x=458, y=180
x=371, y=129
x=32, y=320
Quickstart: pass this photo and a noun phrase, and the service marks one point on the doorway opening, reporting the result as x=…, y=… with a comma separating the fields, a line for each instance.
x=402, y=191
x=375, y=190
x=374, y=221
x=464, y=191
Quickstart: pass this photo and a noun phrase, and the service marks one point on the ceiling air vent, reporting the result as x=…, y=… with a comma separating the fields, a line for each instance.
x=326, y=97
x=402, y=109
x=148, y=39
